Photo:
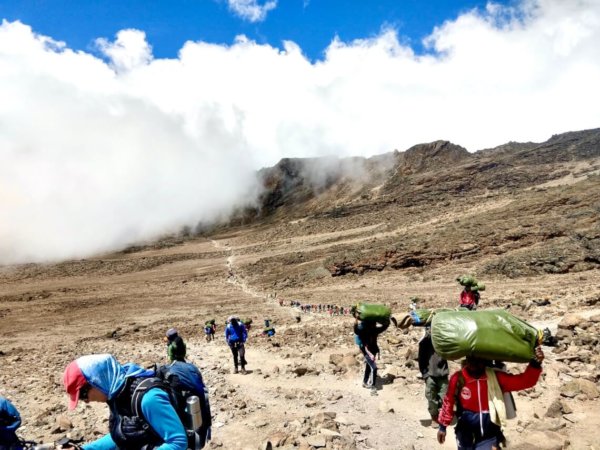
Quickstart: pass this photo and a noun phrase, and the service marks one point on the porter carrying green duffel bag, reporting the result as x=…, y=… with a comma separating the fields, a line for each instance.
x=489, y=334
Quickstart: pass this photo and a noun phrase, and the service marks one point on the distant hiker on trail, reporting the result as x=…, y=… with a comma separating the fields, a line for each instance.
x=236, y=335
x=365, y=336
x=10, y=421
x=470, y=295
x=100, y=378
x=469, y=299
x=434, y=370
x=477, y=391
x=210, y=329
x=176, y=349
x=268, y=330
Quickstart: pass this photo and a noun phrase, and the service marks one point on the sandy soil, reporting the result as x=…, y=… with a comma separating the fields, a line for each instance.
x=123, y=303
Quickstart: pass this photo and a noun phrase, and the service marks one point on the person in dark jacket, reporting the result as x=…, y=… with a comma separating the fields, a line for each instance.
x=434, y=370
x=236, y=335
x=10, y=421
x=176, y=348
x=472, y=390
x=100, y=378
x=365, y=336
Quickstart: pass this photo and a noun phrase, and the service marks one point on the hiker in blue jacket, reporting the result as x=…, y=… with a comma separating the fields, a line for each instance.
x=100, y=378
x=236, y=335
x=10, y=421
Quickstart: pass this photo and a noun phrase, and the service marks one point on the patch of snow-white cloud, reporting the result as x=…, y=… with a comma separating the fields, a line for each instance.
x=98, y=153
x=251, y=10
x=130, y=50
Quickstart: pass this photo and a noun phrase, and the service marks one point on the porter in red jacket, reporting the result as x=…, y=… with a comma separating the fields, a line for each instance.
x=474, y=428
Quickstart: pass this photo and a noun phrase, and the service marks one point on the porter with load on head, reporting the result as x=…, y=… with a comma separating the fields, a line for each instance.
x=478, y=390
x=370, y=322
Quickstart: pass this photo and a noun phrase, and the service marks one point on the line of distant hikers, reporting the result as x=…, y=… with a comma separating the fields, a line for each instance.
x=167, y=407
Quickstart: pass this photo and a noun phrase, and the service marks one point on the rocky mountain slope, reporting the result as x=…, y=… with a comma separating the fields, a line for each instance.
x=523, y=218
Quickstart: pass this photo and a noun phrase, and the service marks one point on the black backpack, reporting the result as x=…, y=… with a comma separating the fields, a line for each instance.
x=178, y=392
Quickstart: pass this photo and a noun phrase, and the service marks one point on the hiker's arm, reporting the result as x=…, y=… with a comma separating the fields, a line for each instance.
x=163, y=419
x=9, y=416
x=424, y=355
x=447, y=411
x=525, y=380
x=104, y=443
x=384, y=326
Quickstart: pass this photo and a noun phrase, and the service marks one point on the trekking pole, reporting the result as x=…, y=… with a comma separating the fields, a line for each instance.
x=67, y=443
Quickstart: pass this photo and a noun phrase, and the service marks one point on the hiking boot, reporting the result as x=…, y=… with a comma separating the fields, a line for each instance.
x=243, y=371
x=365, y=385
x=235, y=370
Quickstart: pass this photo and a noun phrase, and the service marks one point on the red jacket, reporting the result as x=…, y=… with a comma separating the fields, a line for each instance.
x=468, y=298
x=474, y=393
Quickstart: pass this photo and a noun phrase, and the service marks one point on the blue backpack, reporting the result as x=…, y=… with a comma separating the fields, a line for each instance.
x=236, y=333
x=180, y=380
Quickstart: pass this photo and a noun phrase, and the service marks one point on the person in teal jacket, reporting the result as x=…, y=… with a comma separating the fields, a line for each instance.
x=100, y=378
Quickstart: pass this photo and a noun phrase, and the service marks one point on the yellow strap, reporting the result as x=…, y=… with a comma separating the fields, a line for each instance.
x=495, y=399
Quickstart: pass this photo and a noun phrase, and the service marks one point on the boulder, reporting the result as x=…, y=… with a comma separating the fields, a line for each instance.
x=570, y=321
x=541, y=440
x=580, y=386
x=317, y=441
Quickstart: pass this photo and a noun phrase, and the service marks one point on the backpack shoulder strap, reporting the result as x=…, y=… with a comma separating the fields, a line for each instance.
x=140, y=390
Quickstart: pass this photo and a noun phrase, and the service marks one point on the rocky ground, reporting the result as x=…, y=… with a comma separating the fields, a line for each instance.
x=533, y=237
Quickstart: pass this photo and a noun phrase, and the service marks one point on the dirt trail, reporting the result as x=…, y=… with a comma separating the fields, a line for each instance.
x=267, y=383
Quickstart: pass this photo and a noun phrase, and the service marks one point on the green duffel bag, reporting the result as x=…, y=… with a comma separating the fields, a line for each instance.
x=489, y=334
x=479, y=287
x=379, y=313
x=467, y=280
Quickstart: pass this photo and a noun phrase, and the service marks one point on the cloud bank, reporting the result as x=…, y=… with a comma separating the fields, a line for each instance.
x=99, y=151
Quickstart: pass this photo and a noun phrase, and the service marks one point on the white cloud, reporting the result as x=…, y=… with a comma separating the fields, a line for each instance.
x=251, y=10
x=95, y=154
x=129, y=51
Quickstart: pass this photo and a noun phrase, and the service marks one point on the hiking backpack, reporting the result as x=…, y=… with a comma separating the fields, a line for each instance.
x=179, y=390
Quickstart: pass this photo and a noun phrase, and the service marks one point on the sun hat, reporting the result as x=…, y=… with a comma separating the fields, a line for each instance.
x=73, y=380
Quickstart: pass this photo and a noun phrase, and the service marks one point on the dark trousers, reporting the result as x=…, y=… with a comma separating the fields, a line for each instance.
x=370, y=370
x=469, y=435
x=237, y=348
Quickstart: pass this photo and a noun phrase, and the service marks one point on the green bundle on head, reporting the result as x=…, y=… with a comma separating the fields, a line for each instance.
x=373, y=312
x=467, y=280
x=479, y=287
x=247, y=321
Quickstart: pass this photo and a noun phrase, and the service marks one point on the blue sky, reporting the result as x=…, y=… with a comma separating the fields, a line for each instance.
x=160, y=117
x=168, y=24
